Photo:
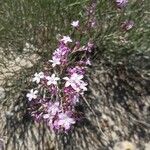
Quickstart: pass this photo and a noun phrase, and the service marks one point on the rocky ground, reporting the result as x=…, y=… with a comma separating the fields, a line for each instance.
x=118, y=117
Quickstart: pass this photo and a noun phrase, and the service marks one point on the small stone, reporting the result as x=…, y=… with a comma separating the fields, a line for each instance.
x=104, y=117
x=116, y=128
x=125, y=145
x=1, y=144
x=111, y=122
x=114, y=136
x=147, y=146
x=9, y=114
x=2, y=93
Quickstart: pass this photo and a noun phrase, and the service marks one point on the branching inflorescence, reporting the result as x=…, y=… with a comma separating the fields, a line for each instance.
x=62, y=82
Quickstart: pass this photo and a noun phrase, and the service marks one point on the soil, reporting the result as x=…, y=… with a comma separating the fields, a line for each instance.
x=119, y=99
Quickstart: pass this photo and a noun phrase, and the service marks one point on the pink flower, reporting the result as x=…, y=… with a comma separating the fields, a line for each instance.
x=54, y=108
x=75, y=23
x=76, y=69
x=52, y=79
x=38, y=77
x=65, y=121
x=75, y=82
x=60, y=54
x=32, y=95
x=121, y=3
x=55, y=61
x=66, y=39
x=61, y=51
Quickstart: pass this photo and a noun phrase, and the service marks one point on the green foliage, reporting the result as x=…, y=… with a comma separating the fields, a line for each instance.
x=35, y=21
x=39, y=21
x=115, y=43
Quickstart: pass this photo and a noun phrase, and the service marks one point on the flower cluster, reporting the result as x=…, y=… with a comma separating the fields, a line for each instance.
x=128, y=24
x=61, y=85
x=121, y=3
